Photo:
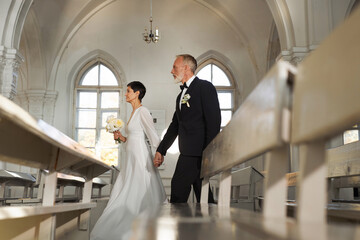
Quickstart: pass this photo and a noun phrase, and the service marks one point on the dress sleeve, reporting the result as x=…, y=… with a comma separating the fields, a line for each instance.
x=148, y=126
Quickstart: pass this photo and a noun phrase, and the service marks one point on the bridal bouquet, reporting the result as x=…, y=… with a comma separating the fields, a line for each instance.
x=113, y=124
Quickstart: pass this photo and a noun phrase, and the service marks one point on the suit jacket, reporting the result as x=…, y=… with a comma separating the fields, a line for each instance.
x=196, y=124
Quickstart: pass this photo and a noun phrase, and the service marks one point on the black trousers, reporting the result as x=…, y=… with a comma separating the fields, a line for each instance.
x=187, y=173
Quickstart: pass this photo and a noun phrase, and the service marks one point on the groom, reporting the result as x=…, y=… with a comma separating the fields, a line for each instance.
x=196, y=121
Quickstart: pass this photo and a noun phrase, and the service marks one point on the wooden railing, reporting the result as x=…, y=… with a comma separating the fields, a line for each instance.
x=27, y=141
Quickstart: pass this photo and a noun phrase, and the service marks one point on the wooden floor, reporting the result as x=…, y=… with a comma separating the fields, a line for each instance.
x=191, y=221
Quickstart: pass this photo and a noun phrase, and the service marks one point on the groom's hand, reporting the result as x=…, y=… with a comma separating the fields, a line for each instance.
x=158, y=159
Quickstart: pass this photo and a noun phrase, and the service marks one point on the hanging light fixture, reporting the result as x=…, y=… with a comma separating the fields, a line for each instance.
x=151, y=36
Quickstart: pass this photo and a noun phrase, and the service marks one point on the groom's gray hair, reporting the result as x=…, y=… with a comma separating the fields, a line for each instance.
x=189, y=60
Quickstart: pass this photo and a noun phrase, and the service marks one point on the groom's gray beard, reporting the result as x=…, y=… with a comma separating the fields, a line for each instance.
x=177, y=79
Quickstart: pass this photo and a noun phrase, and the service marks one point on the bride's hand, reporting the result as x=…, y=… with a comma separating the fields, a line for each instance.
x=158, y=159
x=117, y=135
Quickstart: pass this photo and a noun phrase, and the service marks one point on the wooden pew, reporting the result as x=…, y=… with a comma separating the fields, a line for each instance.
x=265, y=113
x=326, y=101
x=27, y=141
x=246, y=188
x=65, y=180
x=343, y=172
x=10, y=178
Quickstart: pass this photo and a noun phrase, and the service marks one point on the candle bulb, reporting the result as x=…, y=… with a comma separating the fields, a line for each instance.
x=156, y=31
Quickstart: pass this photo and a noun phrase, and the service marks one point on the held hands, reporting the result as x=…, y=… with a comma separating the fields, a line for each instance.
x=158, y=159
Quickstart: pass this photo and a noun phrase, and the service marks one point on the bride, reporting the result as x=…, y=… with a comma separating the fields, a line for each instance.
x=138, y=186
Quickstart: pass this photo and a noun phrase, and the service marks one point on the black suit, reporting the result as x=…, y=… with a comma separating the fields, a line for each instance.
x=196, y=125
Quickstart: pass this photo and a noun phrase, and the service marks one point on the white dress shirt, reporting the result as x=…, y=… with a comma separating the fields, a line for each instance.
x=188, y=82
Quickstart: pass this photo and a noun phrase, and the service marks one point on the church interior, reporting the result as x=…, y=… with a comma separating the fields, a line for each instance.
x=286, y=164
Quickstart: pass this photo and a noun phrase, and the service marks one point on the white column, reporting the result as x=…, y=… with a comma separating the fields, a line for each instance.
x=12, y=17
x=49, y=106
x=36, y=102
x=303, y=24
x=39, y=103
x=10, y=60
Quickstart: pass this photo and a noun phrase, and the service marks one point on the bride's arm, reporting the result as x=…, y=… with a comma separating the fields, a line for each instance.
x=148, y=126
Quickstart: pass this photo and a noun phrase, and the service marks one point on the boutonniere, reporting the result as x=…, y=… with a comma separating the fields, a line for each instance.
x=185, y=99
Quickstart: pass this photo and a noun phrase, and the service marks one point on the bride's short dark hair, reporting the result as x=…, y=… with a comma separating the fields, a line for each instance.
x=138, y=86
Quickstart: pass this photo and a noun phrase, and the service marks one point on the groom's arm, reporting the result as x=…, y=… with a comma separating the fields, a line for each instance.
x=170, y=136
x=211, y=111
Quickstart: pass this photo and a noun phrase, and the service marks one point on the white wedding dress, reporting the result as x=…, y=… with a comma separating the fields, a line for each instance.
x=138, y=185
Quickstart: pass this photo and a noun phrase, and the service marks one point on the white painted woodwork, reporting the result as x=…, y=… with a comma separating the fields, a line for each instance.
x=205, y=191
x=50, y=189
x=84, y=218
x=28, y=211
x=275, y=192
x=312, y=183
x=87, y=191
x=224, y=188
x=344, y=160
x=41, y=185
x=2, y=190
x=61, y=192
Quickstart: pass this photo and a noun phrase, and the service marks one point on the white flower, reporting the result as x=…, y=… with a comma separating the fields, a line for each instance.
x=185, y=100
x=113, y=124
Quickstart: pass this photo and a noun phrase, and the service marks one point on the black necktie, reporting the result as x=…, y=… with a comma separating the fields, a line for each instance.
x=183, y=86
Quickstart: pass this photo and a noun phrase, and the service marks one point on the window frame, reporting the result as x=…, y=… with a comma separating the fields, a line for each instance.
x=222, y=89
x=99, y=111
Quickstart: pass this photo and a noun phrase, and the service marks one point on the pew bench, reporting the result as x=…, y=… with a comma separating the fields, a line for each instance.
x=45, y=148
x=246, y=188
x=344, y=170
x=10, y=179
x=65, y=180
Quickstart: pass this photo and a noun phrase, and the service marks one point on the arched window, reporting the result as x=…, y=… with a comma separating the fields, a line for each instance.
x=216, y=73
x=97, y=93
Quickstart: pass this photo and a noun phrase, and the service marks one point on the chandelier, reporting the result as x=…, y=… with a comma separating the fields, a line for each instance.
x=151, y=36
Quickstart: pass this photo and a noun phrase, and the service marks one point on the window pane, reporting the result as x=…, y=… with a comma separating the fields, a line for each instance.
x=86, y=118
x=107, y=78
x=205, y=73
x=351, y=136
x=87, y=99
x=86, y=137
x=219, y=77
x=91, y=77
x=107, y=139
x=225, y=117
x=105, y=116
x=110, y=156
x=109, y=99
x=225, y=99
